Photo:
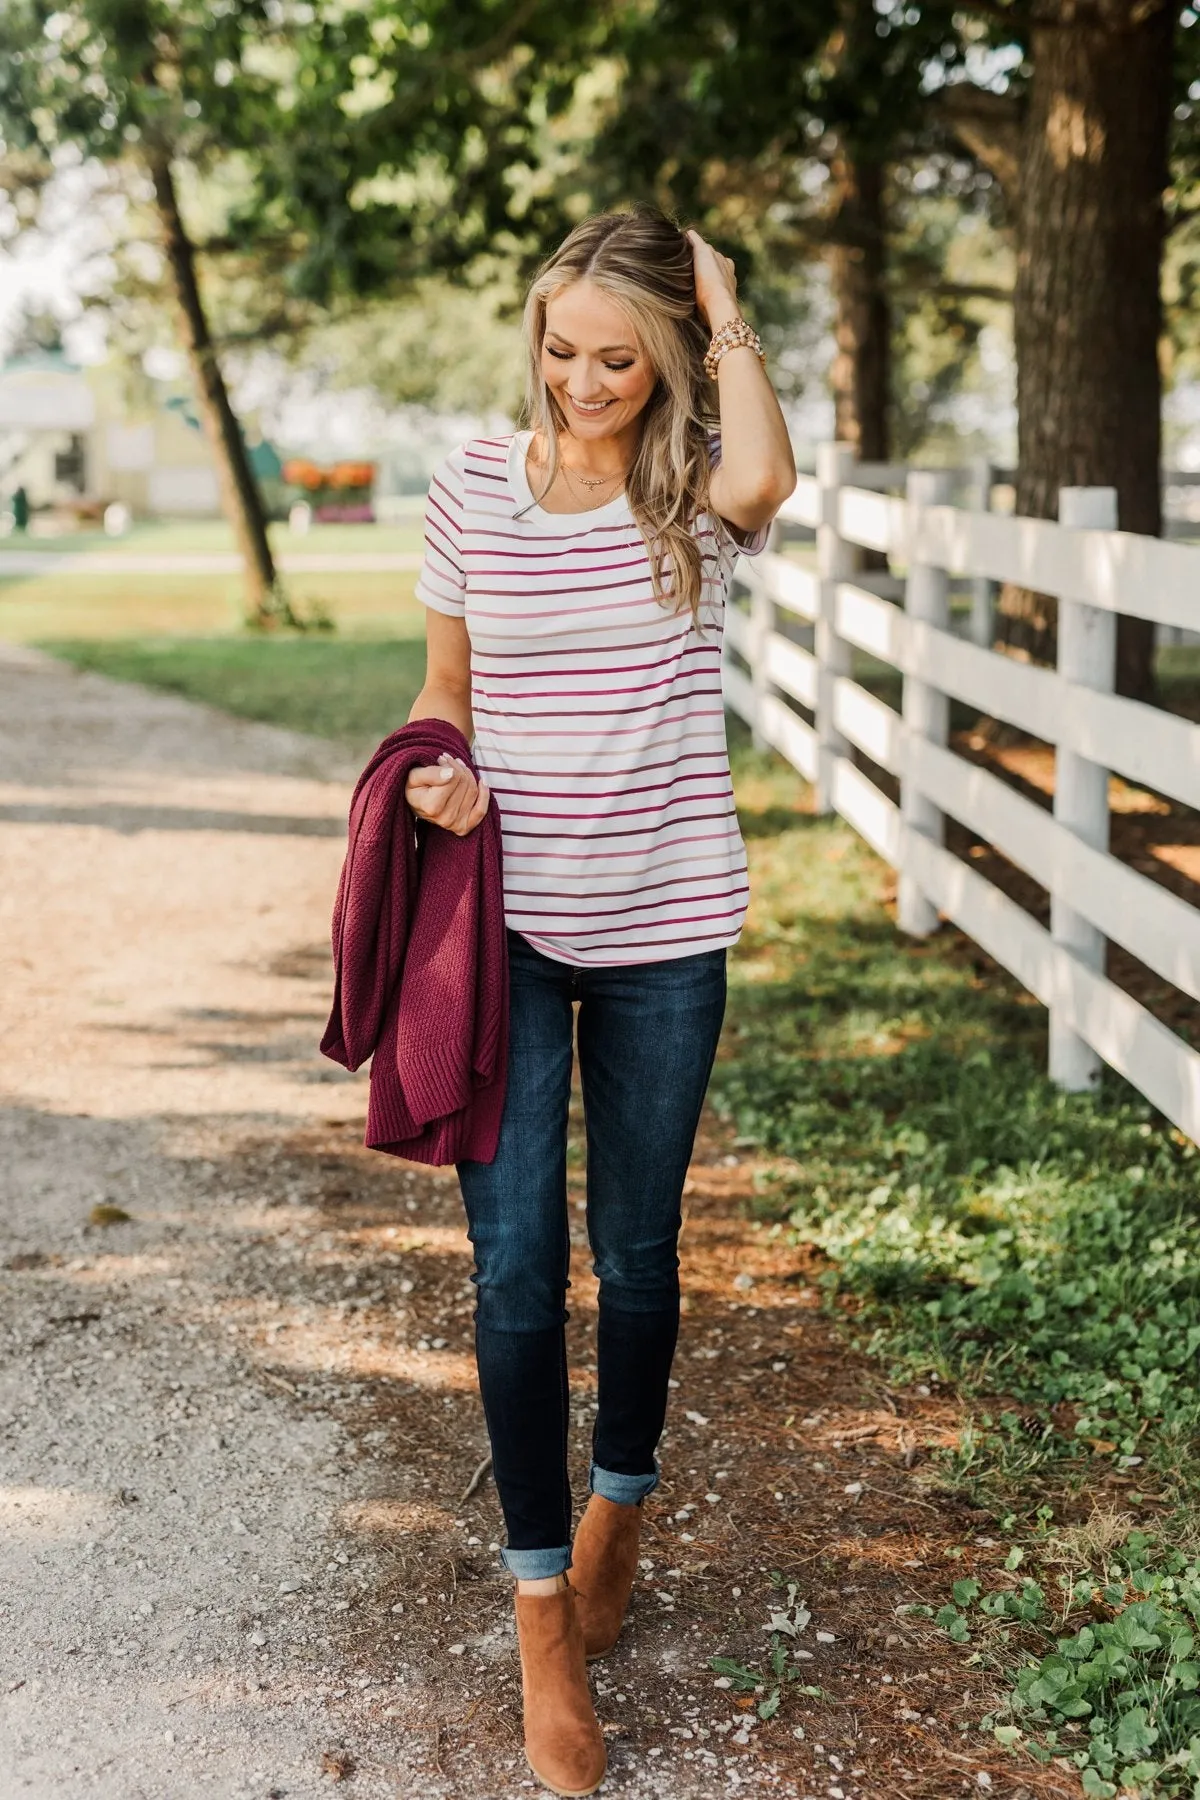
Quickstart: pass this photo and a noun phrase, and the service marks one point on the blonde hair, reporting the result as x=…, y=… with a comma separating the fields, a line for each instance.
x=642, y=260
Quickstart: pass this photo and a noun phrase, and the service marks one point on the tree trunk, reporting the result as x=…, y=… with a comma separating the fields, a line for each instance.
x=861, y=374
x=240, y=498
x=1087, y=303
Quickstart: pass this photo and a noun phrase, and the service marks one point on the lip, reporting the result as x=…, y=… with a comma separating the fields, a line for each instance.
x=589, y=412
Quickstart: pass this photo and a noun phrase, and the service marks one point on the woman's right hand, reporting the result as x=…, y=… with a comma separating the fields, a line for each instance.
x=447, y=794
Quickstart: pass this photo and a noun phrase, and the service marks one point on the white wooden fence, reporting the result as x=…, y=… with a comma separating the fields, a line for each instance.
x=1096, y=572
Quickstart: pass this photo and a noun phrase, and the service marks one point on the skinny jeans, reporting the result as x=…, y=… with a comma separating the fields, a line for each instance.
x=647, y=1036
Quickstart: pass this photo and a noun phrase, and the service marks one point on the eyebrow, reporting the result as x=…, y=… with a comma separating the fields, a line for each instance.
x=605, y=349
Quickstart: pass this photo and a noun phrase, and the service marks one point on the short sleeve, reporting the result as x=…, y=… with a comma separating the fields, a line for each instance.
x=741, y=543
x=442, y=582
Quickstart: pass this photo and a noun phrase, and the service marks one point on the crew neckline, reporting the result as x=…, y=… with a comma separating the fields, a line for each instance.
x=518, y=482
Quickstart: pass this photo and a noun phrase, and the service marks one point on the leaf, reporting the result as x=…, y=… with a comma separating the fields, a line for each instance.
x=738, y=1673
x=779, y=1621
x=965, y=1591
x=1130, y=1633
x=1096, y=1787
x=1015, y=1557
x=1135, y=1734
x=770, y=1706
x=1007, y=1735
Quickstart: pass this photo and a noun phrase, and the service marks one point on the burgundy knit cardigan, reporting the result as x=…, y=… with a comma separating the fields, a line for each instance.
x=420, y=963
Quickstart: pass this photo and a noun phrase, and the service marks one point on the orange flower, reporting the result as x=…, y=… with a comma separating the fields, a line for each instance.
x=352, y=475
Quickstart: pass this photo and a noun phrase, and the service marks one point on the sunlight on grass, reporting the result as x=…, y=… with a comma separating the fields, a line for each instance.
x=354, y=691
x=48, y=608
x=988, y=1229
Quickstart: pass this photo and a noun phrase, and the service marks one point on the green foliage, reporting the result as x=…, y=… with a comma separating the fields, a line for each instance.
x=354, y=691
x=788, y=1621
x=1117, y=1696
x=983, y=1227
x=355, y=148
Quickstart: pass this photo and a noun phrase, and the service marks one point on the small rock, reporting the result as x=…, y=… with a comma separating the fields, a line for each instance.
x=457, y=1649
x=743, y=1283
x=826, y=1637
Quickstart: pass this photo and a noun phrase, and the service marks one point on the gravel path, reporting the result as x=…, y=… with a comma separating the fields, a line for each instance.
x=226, y=1567
x=167, y=1514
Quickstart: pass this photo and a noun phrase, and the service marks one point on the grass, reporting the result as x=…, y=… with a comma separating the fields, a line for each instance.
x=94, y=608
x=353, y=690
x=982, y=1234
x=984, y=1229
x=178, y=537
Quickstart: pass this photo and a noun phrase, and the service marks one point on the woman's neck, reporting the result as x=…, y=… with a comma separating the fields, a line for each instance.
x=596, y=459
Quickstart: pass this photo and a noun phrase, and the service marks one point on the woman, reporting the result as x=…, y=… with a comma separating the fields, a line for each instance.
x=575, y=578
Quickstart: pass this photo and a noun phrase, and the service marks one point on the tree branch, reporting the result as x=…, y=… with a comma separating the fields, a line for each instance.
x=956, y=290
x=989, y=126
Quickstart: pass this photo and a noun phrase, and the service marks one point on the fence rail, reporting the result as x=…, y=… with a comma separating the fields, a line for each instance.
x=789, y=642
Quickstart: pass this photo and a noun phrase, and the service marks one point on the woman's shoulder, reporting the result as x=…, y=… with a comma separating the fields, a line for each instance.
x=473, y=474
x=482, y=453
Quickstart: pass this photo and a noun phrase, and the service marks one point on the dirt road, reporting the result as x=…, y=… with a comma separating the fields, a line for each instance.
x=237, y=1406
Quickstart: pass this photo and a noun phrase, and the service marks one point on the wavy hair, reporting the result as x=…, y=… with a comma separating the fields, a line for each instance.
x=642, y=260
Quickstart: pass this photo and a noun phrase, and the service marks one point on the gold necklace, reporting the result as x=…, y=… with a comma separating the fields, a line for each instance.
x=592, y=481
x=590, y=485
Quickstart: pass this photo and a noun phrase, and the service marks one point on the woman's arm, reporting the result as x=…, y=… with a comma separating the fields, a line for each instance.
x=446, y=693
x=757, y=470
x=446, y=792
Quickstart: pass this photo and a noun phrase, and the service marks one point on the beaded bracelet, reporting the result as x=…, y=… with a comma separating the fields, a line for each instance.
x=733, y=335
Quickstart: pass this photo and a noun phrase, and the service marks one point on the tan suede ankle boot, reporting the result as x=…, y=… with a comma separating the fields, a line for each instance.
x=603, y=1565
x=564, y=1744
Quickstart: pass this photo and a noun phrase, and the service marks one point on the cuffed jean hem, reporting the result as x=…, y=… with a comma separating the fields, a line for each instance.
x=622, y=1490
x=536, y=1565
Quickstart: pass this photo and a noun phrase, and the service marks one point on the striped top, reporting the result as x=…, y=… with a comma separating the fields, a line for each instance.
x=598, y=716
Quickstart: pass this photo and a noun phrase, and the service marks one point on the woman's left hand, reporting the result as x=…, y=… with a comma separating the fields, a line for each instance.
x=716, y=282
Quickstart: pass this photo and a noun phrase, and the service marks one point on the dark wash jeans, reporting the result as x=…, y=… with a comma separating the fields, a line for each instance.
x=647, y=1037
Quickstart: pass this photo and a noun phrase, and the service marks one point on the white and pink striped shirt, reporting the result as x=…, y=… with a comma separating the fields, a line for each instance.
x=598, y=715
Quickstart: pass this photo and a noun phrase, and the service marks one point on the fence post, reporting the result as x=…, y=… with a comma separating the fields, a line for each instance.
x=835, y=563
x=762, y=623
x=1087, y=656
x=926, y=710
x=983, y=588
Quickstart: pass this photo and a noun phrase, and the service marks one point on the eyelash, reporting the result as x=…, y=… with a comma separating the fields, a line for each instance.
x=566, y=355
